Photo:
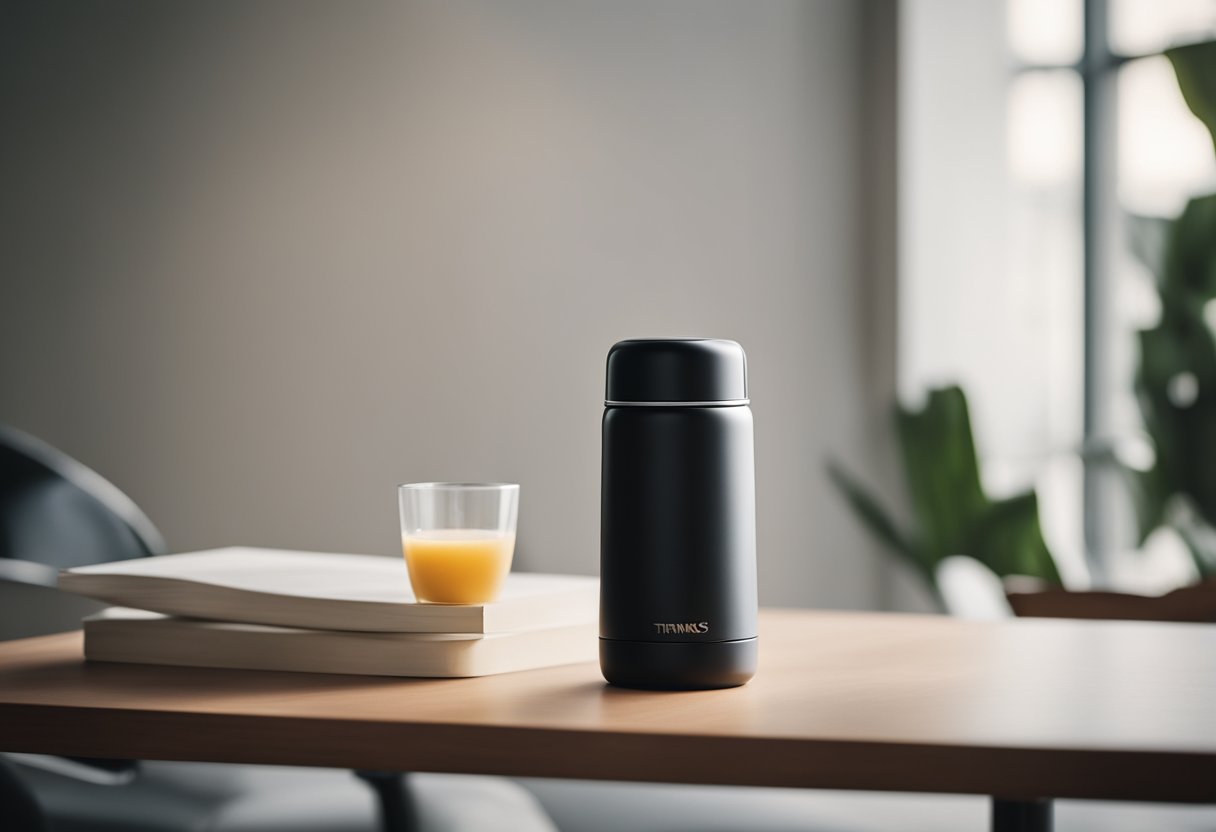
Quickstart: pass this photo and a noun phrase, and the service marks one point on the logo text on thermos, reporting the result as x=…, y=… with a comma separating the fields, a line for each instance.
x=689, y=627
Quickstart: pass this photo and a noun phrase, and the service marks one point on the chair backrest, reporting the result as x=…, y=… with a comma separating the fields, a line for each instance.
x=57, y=513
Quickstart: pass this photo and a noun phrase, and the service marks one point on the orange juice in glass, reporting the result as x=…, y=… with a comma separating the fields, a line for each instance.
x=458, y=539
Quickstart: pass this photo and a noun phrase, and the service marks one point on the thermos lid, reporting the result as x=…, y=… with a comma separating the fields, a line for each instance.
x=680, y=371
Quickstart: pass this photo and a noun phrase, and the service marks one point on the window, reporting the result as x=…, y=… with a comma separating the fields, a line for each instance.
x=1029, y=132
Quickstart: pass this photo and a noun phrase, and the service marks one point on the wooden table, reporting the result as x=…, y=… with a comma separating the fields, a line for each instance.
x=1021, y=710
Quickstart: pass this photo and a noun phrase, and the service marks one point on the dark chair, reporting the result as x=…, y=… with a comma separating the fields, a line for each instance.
x=56, y=513
x=18, y=808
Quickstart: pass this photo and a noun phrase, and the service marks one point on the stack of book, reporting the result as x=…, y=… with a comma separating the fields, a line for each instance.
x=269, y=609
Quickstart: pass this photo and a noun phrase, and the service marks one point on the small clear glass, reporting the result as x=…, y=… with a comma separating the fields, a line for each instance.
x=458, y=538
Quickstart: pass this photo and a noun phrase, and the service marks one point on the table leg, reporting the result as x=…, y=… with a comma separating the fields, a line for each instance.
x=397, y=810
x=1021, y=815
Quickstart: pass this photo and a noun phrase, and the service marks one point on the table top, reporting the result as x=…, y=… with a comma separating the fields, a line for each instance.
x=1019, y=709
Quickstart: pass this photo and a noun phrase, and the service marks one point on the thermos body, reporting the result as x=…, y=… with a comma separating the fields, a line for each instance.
x=678, y=525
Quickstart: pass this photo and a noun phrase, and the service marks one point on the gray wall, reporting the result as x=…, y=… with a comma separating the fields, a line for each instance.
x=261, y=261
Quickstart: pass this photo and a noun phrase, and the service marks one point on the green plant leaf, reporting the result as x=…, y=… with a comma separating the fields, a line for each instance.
x=1195, y=66
x=953, y=515
x=942, y=472
x=1189, y=275
x=1009, y=540
x=1176, y=377
x=876, y=518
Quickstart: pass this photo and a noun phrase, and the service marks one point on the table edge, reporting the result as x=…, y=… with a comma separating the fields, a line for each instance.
x=1170, y=776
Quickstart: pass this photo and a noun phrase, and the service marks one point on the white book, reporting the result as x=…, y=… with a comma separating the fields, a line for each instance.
x=313, y=590
x=124, y=635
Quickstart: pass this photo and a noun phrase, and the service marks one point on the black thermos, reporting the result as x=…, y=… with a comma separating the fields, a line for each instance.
x=678, y=516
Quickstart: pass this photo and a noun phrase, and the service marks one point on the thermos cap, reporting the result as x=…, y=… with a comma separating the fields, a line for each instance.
x=676, y=371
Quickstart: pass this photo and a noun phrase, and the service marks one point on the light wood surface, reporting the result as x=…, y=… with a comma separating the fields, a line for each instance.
x=1019, y=709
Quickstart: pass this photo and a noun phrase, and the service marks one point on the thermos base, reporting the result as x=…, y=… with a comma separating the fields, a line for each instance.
x=687, y=665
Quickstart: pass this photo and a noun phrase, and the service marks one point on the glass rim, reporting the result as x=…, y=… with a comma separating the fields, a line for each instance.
x=458, y=486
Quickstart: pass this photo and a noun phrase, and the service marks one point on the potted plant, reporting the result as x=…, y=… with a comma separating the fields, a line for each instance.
x=1176, y=378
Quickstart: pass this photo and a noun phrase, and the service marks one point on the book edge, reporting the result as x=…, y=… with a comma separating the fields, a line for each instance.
x=268, y=607
x=483, y=655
